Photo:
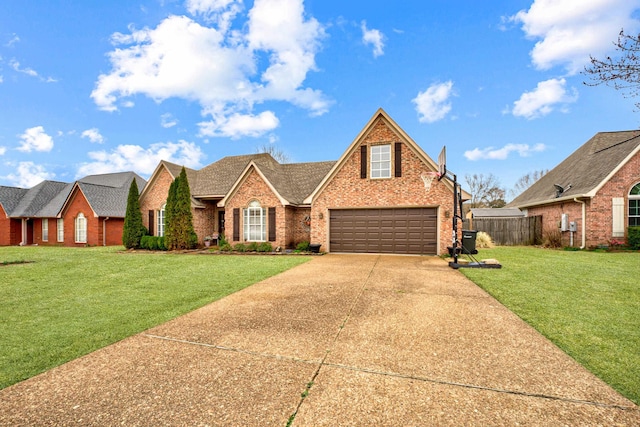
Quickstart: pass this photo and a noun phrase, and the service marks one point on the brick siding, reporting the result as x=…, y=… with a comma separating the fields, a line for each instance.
x=347, y=190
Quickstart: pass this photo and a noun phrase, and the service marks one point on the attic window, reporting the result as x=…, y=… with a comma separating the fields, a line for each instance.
x=381, y=161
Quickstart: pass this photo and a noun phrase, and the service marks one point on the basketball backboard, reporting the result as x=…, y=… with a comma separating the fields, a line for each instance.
x=442, y=162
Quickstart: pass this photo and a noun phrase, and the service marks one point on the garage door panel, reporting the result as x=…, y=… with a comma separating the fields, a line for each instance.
x=397, y=230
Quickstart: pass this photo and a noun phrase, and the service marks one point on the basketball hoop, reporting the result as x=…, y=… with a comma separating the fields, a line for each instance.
x=428, y=178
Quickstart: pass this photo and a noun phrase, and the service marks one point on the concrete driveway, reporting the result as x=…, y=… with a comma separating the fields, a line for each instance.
x=343, y=340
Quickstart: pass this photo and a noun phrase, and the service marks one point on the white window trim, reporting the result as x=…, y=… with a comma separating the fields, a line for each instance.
x=60, y=229
x=160, y=220
x=634, y=197
x=81, y=228
x=255, y=223
x=45, y=229
x=379, y=165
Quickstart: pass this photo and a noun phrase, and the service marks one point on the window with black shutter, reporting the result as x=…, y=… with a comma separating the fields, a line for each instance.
x=272, y=224
x=236, y=224
x=398, y=159
x=363, y=161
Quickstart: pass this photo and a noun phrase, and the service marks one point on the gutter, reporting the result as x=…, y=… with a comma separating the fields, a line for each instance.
x=104, y=231
x=584, y=221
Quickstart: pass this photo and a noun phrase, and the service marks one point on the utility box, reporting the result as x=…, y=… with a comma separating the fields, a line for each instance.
x=469, y=242
x=573, y=226
x=564, y=222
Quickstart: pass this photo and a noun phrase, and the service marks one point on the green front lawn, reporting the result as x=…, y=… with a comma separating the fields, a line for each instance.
x=587, y=303
x=71, y=301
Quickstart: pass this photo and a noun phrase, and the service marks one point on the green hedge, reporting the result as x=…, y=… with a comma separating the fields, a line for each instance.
x=634, y=237
x=153, y=243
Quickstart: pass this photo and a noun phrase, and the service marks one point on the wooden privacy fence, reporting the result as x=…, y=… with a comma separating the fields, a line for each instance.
x=511, y=231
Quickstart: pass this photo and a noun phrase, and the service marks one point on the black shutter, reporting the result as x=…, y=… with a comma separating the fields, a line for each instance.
x=152, y=215
x=236, y=224
x=398, y=159
x=363, y=161
x=272, y=224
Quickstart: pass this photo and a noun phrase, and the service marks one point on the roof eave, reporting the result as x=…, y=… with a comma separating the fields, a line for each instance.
x=554, y=200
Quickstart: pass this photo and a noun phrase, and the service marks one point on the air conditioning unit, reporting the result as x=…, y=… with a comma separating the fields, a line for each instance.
x=564, y=222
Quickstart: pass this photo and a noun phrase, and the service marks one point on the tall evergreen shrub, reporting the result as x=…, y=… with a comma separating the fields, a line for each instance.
x=133, y=230
x=179, y=231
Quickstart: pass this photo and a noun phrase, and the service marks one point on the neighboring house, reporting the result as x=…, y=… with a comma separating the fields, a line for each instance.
x=594, y=193
x=380, y=196
x=490, y=213
x=89, y=211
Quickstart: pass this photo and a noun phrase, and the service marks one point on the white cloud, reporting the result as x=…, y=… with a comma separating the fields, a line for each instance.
x=28, y=174
x=223, y=70
x=238, y=125
x=3, y=150
x=35, y=139
x=94, y=135
x=15, y=39
x=142, y=160
x=542, y=100
x=568, y=32
x=492, y=153
x=374, y=38
x=168, y=121
x=432, y=104
x=30, y=72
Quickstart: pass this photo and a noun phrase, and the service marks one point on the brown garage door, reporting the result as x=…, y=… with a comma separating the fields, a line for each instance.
x=397, y=230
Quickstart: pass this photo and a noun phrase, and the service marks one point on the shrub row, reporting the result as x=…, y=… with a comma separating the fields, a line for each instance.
x=634, y=238
x=153, y=243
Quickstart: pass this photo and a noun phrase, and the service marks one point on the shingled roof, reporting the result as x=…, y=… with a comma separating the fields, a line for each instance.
x=42, y=201
x=585, y=171
x=217, y=179
x=107, y=194
x=10, y=198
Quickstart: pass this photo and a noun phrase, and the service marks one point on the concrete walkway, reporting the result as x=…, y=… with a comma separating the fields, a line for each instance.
x=343, y=340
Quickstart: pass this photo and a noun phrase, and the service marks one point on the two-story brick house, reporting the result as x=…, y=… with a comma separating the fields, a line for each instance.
x=380, y=196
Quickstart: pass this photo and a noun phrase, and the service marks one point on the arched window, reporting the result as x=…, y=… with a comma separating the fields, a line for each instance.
x=161, y=216
x=255, y=224
x=81, y=228
x=634, y=206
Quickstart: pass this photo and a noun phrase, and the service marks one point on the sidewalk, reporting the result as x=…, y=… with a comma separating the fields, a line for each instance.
x=352, y=340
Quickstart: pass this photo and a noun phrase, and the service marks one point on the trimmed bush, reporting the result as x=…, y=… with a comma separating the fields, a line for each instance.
x=252, y=247
x=303, y=246
x=153, y=243
x=634, y=238
x=265, y=247
x=225, y=247
x=240, y=247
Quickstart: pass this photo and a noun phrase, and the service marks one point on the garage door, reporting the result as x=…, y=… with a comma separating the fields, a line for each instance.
x=397, y=230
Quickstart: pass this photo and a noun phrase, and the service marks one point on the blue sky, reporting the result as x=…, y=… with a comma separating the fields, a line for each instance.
x=95, y=87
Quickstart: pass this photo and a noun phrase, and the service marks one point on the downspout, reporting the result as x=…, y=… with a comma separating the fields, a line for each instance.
x=584, y=221
x=104, y=231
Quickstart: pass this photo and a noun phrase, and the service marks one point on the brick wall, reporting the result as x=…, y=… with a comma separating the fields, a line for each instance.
x=254, y=188
x=78, y=204
x=347, y=190
x=599, y=217
x=297, y=228
x=114, y=228
x=10, y=229
x=155, y=197
x=205, y=221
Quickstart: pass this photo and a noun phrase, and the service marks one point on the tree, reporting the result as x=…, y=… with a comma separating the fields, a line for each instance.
x=133, y=230
x=274, y=151
x=527, y=181
x=486, y=191
x=623, y=72
x=179, y=231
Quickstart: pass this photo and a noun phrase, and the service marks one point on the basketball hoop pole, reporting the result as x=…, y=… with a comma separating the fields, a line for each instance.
x=457, y=202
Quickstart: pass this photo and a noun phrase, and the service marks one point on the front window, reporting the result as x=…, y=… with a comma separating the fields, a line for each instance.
x=60, y=230
x=255, y=224
x=81, y=229
x=161, y=214
x=381, y=161
x=634, y=206
x=45, y=230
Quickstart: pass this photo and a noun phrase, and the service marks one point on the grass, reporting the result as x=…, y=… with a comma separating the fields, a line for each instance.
x=587, y=303
x=68, y=302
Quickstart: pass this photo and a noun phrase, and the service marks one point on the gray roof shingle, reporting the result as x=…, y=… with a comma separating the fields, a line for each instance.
x=107, y=194
x=583, y=171
x=10, y=198
x=42, y=201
